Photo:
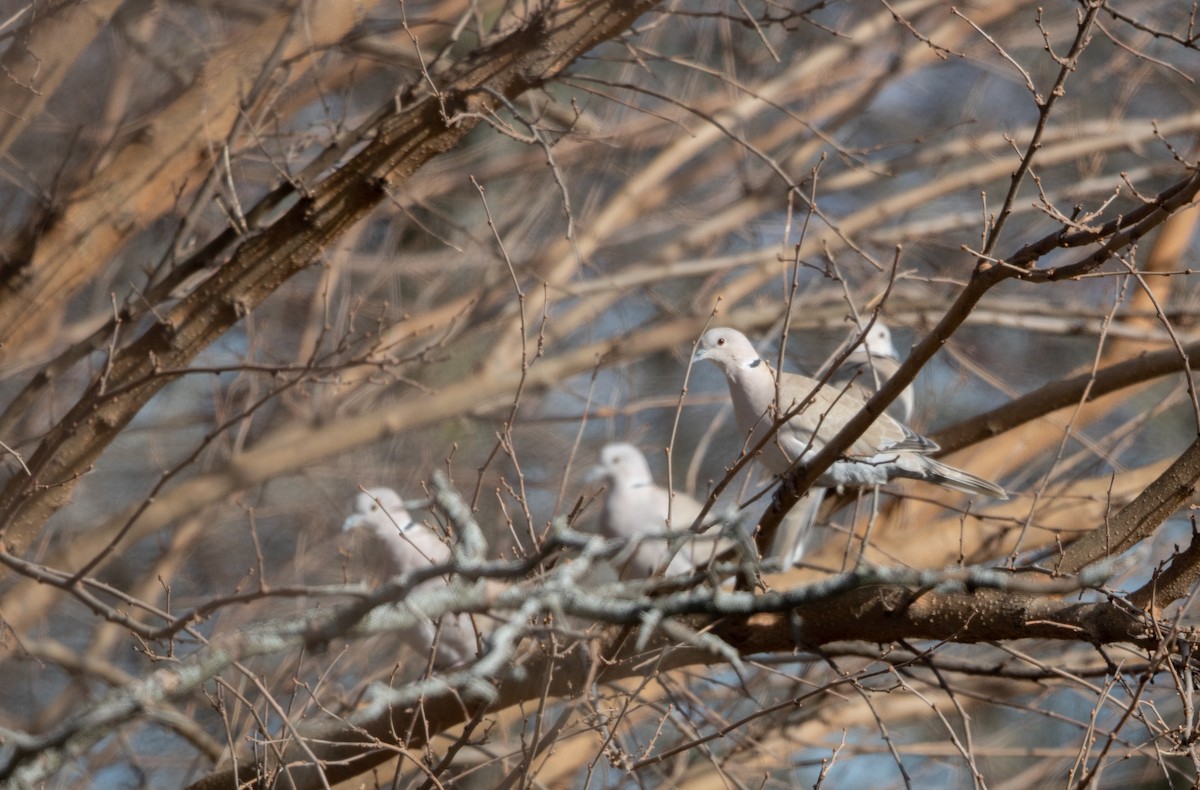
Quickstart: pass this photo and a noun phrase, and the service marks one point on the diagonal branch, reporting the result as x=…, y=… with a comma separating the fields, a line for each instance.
x=427, y=125
x=1140, y=518
x=1113, y=237
x=1060, y=394
x=1170, y=584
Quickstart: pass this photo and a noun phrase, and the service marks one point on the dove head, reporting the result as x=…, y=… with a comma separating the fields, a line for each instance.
x=380, y=510
x=878, y=342
x=624, y=464
x=729, y=348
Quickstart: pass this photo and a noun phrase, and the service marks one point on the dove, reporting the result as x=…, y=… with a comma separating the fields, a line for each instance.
x=412, y=546
x=634, y=506
x=885, y=451
x=872, y=362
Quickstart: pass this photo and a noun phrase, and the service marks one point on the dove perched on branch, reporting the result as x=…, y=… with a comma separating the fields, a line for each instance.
x=872, y=362
x=814, y=414
x=868, y=365
x=635, y=507
x=412, y=546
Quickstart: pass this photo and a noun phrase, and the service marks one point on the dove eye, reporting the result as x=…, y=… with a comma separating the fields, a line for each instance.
x=720, y=341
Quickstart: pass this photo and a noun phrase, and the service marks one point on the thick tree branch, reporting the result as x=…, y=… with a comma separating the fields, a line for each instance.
x=137, y=182
x=426, y=126
x=1140, y=518
x=878, y=613
x=1172, y=583
x=1060, y=394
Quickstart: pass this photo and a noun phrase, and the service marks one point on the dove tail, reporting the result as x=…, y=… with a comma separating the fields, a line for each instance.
x=958, y=480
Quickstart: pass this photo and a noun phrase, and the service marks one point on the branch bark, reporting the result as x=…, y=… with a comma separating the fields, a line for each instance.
x=1140, y=518
x=141, y=180
x=428, y=124
x=872, y=613
x=1060, y=394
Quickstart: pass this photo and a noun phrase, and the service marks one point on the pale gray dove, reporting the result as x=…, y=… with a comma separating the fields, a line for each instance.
x=634, y=507
x=412, y=546
x=872, y=362
x=885, y=451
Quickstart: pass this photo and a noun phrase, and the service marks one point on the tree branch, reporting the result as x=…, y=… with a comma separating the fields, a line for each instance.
x=425, y=126
x=846, y=608
x=1060, y=394
x=1140, y=518
x=1124, y=231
